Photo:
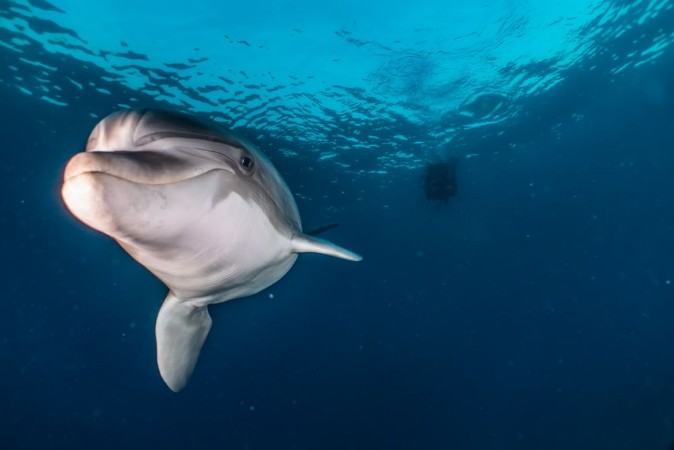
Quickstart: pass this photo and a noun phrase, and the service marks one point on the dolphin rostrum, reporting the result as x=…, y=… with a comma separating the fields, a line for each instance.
x=200, y=208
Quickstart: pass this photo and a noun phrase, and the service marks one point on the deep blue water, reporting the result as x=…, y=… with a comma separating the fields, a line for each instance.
x=535, y=311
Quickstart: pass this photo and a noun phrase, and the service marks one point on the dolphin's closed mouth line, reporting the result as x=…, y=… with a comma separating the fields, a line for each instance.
x=145, y=183
x=141, y=167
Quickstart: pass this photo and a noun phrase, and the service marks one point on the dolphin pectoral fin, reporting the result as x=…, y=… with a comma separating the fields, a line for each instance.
x=181, y=330
x=303, y=243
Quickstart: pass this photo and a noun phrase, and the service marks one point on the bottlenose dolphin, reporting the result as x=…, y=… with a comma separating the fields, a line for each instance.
x=200, y=208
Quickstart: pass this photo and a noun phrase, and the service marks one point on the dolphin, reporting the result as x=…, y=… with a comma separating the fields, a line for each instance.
x=202, y=209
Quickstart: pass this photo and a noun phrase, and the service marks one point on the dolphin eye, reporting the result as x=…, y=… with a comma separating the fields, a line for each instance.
x=247, y=163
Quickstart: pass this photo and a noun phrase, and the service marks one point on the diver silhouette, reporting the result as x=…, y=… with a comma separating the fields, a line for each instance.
x=440, y=180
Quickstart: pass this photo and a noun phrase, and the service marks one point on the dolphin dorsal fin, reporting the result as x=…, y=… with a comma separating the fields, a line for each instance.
x=322, y=229
x=302, y=243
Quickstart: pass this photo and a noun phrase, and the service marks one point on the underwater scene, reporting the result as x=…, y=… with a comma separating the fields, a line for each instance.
x=350, y=225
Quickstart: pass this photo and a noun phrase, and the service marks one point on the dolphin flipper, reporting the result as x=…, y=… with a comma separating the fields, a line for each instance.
x=303, y=243
x=181, y=330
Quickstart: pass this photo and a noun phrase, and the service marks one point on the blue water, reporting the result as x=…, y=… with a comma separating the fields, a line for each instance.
x=535, y=311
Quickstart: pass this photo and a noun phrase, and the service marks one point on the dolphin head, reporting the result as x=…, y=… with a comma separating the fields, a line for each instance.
x=148, y=175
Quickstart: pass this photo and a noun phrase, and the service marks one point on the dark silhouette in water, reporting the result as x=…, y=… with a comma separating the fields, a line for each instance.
x=440, y=180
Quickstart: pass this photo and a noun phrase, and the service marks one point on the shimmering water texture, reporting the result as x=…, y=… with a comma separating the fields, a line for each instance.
x=368, y=91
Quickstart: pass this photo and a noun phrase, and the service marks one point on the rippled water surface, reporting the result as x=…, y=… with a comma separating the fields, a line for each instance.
x=336, y=81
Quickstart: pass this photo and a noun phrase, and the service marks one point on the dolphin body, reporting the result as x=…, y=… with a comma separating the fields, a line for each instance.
x=200, y=208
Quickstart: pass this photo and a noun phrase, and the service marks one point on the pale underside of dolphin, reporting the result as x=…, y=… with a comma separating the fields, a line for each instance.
x=200, y=208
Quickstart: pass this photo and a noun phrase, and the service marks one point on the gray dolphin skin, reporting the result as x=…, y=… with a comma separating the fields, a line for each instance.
x=200, y=208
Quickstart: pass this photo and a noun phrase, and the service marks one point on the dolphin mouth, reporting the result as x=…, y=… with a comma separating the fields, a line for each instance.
x=140, y=167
